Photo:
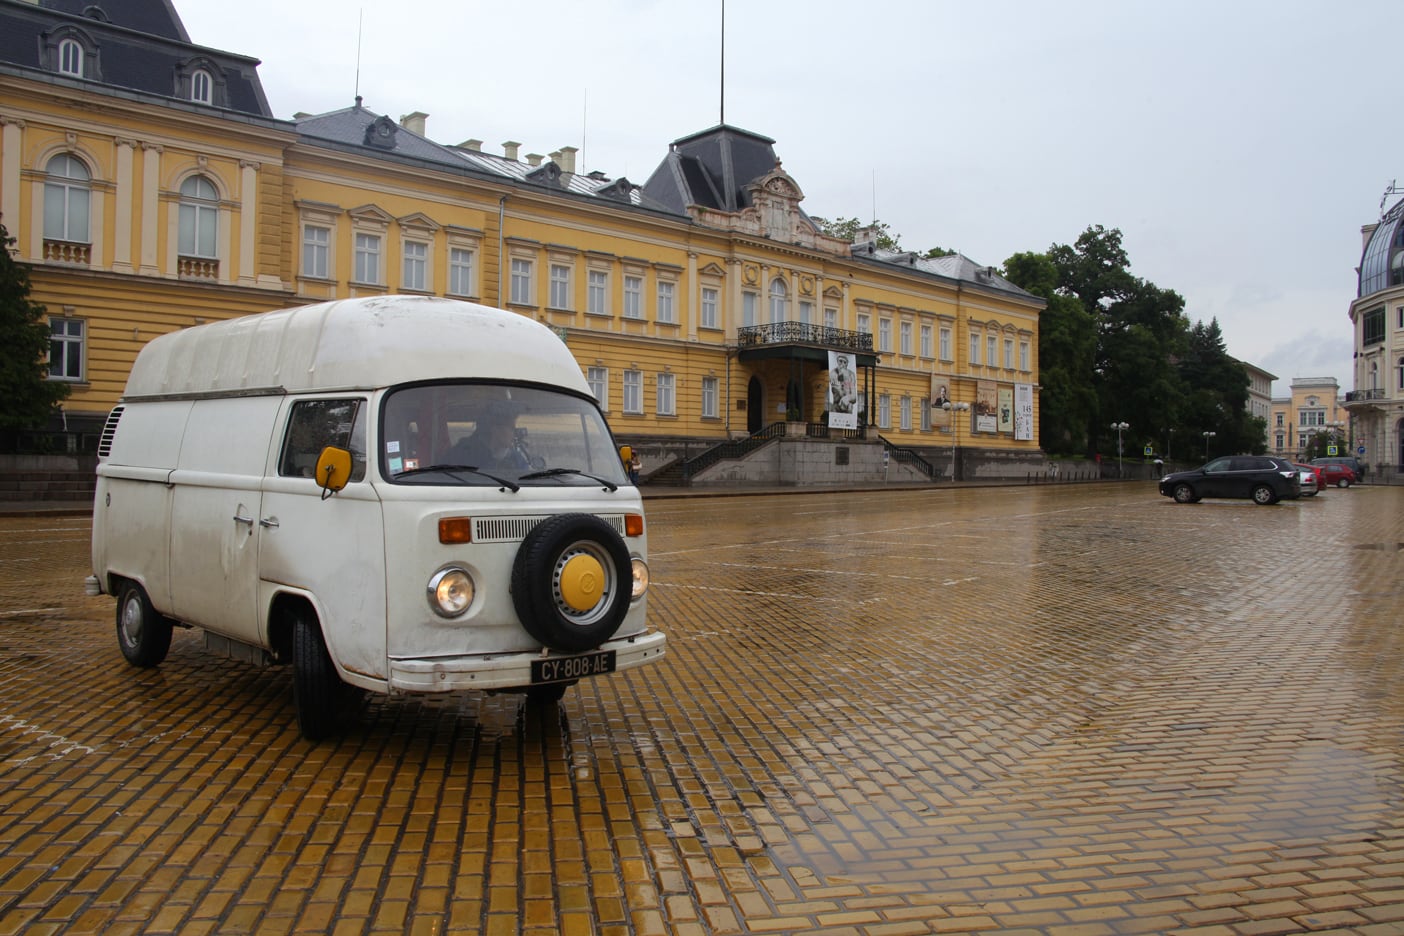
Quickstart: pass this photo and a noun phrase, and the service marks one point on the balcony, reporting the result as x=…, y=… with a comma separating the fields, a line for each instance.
x=803, y=340
x=1376, y=395
x=198, y=268
x=70, y=252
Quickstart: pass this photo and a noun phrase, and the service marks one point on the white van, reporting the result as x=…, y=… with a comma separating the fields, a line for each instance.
x=398, y=494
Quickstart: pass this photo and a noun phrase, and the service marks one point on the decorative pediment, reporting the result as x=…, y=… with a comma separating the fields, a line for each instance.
x=775, y=198
x=420, y=221
x=712, y=269
x=371, y=214
x=833, y=292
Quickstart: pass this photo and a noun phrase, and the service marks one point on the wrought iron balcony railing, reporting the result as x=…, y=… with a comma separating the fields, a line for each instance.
x=752, y=336
x=1360, y=396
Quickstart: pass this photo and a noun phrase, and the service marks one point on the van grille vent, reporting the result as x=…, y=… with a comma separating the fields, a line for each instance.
x=109, y=430
x=515, y=529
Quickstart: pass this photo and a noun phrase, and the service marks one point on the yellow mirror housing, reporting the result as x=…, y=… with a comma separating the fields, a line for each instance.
x=333, y=469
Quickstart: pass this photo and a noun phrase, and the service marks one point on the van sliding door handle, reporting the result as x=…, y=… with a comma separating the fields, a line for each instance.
x=268, y=522
x=248, y=520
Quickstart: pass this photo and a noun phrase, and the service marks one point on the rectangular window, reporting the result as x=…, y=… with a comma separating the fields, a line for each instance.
x=633, y=297
x=926, y=341
x=521, y=283
x=367, y=259
x=1372, y=327
x=1023, y=355
x=924, y=408
x=884, y=411
x=831, y=318
x=991, y=351
x=633, y=391
x=709, y=308
x=597, y=293
x=416, y=266
x=1280, y=418
x=667, y=314
x=560, y=286
x=906, y=333
x=974, y=350
x=748, y=309
x=709, y=398
x=806, y=312
x=904, y=413
x=65, y=348
x=460, y=272
x=1009, y=354
x=598, y=379
x=663, y=399
x=865, y=323
x=197, y=230
x=316, y=251
x=315, y=424
x=945, y=344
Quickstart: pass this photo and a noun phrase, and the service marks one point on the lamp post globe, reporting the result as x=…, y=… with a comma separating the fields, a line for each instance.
x=1119, y=428
x=1208, y=434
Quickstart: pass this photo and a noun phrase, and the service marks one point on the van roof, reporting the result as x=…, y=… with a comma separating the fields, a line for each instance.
x=353, y=344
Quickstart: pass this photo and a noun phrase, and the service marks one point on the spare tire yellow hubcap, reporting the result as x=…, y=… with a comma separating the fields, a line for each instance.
x=582, y=582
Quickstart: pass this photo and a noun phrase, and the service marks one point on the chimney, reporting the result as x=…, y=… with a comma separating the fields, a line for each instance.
x=534, y=159
x=566, y=158
x=414, y=122
x=472, y=146
x=509, y=149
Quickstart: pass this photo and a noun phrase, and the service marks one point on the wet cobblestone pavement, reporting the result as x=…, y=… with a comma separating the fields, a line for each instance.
x=1072, y=710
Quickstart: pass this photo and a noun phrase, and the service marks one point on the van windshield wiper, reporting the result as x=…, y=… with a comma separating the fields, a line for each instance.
x=450, y=469
x=555, y=472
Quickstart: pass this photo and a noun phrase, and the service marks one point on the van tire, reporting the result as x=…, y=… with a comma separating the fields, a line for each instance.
x=536, y=589
x=143, y=633
x=317, y=689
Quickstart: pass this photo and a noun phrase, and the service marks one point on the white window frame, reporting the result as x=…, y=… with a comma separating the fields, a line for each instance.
x=368, y=249
x=70, y=57
x=749, y=309
x=975, y=349
x=632, y=403
x=709, y=317
x=598, y=379
x=806, y=312
x=905, y=338
x=69, y=192
x=667, y=309
x=710, y=389
x=70, y=336
x=665, y=395
x=198, y=223
x=779, y=295
x=1023, y=355
x=884, y=411
x=519, y=285
x=1009, y=354
x=830, y=317
x=904, y=413
x=560, y=280
x=885, y=335
x=991, y=351
x=201, y=86
x=633, y=297
x=926, y=341
x=865, y=323
x=597, y=292
x=462, y=264
x=945, y=343
x=414, y=266
x=924, y=408
x=316, y=250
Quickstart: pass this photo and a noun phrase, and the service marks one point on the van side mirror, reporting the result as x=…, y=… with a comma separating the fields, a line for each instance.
x=626, y=454
x=333, y=470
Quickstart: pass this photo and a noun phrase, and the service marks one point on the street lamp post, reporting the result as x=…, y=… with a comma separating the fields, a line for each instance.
x=1207, y=436
x=954, y=408
x=1120, y=427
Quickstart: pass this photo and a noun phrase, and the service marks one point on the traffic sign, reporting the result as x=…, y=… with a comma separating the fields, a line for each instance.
x=1360, y=451
x=1332, y=450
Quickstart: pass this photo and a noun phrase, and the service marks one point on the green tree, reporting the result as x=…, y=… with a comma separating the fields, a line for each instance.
x=1216, y=393
x=848, y=228
x=29, y=396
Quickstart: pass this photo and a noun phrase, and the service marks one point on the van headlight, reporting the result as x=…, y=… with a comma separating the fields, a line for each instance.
x=640, y=579
x=450, y=591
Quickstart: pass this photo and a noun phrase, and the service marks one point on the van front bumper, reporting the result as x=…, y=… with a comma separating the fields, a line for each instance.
x=509, y=670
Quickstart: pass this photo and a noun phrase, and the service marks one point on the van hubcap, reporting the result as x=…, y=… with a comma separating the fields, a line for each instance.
x=582, y=582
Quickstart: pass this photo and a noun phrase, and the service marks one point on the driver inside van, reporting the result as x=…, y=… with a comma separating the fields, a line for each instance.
x=492, y=444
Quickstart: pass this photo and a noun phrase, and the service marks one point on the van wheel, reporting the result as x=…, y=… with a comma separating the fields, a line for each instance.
x=571, y=582
x=317, y=689
x=143, y=633
x=549, y=694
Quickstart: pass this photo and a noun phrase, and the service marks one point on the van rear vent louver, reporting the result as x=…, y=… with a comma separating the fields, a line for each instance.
x=109, y=429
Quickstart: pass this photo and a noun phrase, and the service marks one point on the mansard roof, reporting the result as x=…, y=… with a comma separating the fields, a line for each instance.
x=132, y=45
x=711, y=169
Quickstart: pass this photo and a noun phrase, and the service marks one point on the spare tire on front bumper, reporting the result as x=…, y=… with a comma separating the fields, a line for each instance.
x=571, y=582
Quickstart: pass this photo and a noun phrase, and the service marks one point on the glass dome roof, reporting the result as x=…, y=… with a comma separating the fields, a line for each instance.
x=1383, y=263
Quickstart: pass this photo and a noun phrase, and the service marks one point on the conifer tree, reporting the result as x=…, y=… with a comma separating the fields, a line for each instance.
x=27, y=396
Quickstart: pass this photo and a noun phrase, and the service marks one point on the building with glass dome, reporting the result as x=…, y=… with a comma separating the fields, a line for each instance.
x=1376, y=405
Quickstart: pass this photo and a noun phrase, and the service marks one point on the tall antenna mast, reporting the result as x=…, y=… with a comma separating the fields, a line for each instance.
x=359, y=17
x=722, y=117
x=584, y=123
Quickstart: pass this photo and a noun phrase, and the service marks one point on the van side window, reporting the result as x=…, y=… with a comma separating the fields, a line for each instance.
x=315, y=424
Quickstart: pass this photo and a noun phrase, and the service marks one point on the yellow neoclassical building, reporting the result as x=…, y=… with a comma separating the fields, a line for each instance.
x=150, y=188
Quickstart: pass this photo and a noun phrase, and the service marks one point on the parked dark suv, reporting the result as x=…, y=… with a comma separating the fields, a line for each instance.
x=1264, y=478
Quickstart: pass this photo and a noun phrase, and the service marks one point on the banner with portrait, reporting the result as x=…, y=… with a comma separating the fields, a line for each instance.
x=1006, y=409
x=986, y=406
x=940, y=394
x=844, y=401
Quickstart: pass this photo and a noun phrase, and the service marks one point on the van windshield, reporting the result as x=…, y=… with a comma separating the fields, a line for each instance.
x=483, y=434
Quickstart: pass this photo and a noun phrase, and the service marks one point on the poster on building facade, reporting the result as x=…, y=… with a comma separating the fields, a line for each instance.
x=986, y=406
x=843, y=391
x=1006, y=409
x=940, y=393
x=1023, y=412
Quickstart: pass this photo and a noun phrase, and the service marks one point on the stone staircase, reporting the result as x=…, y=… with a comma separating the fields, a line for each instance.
x=40, y=478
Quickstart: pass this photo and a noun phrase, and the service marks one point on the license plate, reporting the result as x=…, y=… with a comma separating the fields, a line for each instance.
x=559, y=669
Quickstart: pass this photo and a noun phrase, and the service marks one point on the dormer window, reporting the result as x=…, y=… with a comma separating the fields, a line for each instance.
x=70, y=58
x=381, y=133
x=201, y=87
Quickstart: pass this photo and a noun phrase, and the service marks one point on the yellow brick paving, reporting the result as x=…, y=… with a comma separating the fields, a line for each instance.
x=1076, y=710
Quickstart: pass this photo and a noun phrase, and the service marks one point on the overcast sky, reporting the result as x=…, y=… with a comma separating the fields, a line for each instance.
x=1238, y=146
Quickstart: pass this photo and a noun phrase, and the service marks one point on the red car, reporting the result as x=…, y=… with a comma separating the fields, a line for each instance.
x=1337, y=473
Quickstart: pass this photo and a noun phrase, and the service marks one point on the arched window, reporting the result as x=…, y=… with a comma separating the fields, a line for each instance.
x=199, y=212
x=70, y=58
x=201, y=87
x=779, y=301
x=66, y=196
